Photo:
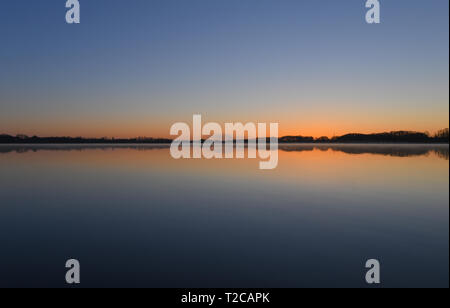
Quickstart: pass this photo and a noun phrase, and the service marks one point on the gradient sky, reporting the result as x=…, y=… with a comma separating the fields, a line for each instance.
x=135, y=67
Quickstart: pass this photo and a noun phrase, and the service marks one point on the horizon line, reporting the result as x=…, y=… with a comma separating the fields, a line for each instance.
x=442, y=134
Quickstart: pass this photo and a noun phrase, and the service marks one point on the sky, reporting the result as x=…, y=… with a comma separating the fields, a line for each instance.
x=135, y=67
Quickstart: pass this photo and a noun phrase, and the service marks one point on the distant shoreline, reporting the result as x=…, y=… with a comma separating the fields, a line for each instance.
x=397, y=137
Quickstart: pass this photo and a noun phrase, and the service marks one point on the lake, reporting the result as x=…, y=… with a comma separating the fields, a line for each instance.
x=135, y=217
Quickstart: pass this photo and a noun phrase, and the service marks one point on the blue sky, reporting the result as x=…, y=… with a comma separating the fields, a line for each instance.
x=137, y=66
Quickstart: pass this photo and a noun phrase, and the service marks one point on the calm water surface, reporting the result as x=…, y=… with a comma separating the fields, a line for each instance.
x=133, y=216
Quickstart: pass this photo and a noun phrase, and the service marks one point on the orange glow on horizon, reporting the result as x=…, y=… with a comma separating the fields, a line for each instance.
x=159, y=127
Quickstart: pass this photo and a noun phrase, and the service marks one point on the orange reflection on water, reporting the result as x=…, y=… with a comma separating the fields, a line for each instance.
x=320, y=164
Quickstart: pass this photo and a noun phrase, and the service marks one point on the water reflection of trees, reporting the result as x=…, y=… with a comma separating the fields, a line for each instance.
x=409, y=150
x=36, y=148
x=442, y=153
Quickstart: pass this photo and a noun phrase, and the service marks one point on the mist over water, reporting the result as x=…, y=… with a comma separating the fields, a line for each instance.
x=133, y=216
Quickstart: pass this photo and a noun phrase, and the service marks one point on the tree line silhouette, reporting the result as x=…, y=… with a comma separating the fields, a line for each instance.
x=441, y=136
